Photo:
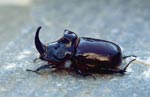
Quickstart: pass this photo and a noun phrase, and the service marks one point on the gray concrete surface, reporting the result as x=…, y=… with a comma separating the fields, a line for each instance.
x=12, y=20
x=124, y=22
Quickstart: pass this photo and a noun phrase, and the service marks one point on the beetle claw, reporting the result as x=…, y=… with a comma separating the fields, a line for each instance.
x=122, y=71
x=35, y=71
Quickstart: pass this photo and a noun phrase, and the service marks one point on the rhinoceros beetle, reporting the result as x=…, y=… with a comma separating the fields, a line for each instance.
x=83, y=55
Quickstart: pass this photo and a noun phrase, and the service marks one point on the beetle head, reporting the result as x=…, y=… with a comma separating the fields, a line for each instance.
x=59, y=50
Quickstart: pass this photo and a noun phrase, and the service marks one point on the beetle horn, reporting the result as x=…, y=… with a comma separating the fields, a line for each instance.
x=39, y=46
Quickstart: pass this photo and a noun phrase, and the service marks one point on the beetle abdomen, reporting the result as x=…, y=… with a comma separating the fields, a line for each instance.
x=98, y=52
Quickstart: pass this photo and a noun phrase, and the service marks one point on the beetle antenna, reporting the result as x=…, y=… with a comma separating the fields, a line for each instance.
x=128, y=64
x=124, y=57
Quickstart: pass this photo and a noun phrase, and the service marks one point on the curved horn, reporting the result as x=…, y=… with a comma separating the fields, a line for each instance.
x=39, y=46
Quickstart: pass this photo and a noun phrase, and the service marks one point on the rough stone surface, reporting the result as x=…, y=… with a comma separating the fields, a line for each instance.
x=124, y=22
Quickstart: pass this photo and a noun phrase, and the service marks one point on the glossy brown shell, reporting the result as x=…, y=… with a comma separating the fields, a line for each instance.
x=97, y=53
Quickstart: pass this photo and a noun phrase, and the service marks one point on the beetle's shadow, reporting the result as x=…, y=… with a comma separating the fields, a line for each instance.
x=96, y=76
x=75, y=75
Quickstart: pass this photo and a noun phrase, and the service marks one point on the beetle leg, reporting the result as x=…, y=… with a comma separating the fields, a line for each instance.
x=124, y=57
x=41, y=68
x=128, y=64
x=36, y=59
x=121, y=71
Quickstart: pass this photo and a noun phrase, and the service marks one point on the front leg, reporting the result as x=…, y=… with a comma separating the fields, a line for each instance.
x=49, y=66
